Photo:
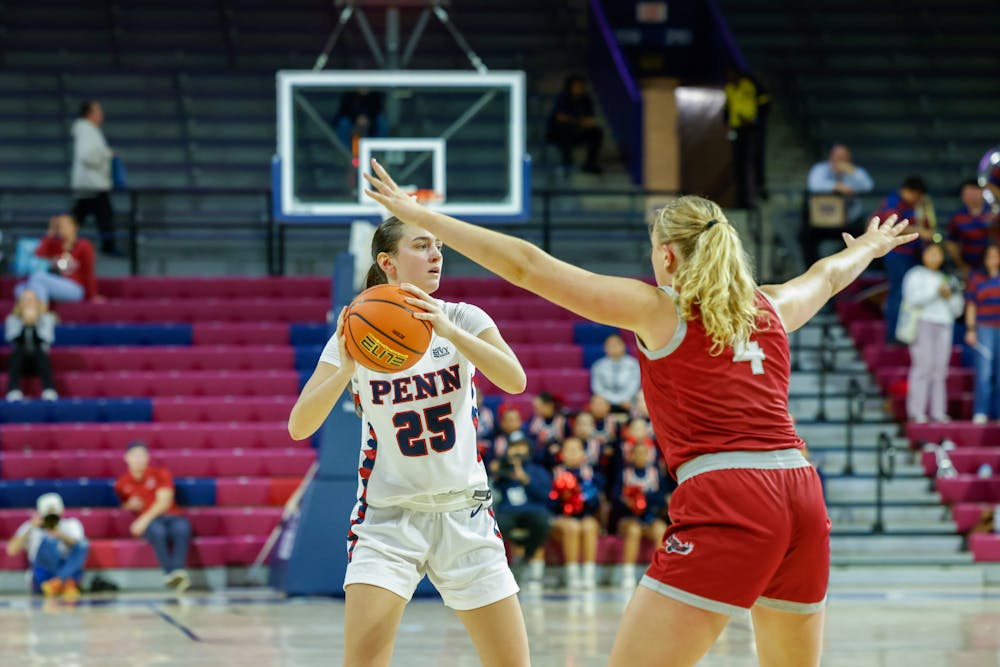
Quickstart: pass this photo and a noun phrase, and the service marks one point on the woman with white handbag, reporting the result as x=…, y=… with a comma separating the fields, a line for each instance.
x=931, y=302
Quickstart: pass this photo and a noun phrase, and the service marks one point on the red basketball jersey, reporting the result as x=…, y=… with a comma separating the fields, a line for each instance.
x=737, y=400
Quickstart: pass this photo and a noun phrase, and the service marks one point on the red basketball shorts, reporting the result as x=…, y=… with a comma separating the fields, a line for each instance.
x=754, y=534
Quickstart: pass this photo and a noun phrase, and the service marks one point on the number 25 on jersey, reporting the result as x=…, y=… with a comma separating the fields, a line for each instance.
x=412, y=425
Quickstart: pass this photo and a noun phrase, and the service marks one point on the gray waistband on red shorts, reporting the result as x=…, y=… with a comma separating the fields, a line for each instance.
x=776, y=459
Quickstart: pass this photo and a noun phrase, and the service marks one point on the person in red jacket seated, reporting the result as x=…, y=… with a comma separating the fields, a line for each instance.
x=71, y=276
x=148, y=492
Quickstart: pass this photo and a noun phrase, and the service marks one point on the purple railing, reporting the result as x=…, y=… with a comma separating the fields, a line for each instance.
x=616, y=88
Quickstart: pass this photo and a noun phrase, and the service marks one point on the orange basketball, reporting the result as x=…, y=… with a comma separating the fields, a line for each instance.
x=381, y=332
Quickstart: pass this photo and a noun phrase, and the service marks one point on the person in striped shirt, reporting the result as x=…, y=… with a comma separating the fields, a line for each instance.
x=982, y=322
x=970, y=229
x=907, y=204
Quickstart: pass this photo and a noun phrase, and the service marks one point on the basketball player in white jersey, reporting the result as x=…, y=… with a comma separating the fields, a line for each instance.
x=423, y=496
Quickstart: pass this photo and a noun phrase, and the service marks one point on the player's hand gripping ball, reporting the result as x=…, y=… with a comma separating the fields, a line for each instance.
x=381, y=333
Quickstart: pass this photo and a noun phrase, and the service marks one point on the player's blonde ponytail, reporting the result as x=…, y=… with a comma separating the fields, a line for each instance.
x=714, y=271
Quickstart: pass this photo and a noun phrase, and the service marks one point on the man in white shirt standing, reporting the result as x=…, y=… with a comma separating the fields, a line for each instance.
x=91, y=174
x=57, y=548
x=616, y=375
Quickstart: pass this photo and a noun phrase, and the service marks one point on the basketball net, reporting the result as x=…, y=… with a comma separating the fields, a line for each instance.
x=424, y=196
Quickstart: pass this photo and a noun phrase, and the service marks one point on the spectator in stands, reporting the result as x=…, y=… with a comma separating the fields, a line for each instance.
x=576, y=493
x=593, y=445
x=547, y=427
x=148, y=492
x=640, y=497
x=908, y=204
x=746, y=104
x=72, y=274
x=572, y=123
x=638, y=432
x=91, y=174
x=970, y=229
x=510, y=422
x=521, y=502
x=931, y=302
x=837, y=175
x=361, y=114
x=30, y=329
x=606, y=424
x=57, y=548
x=982, y=333
x=615, y=376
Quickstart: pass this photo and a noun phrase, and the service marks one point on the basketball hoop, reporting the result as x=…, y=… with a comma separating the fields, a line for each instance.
x=425, y=196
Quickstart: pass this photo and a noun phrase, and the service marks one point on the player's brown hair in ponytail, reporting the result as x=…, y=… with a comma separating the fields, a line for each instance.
x=386, y=239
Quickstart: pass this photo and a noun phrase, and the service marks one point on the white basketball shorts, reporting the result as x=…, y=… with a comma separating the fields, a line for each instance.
x=461, y=552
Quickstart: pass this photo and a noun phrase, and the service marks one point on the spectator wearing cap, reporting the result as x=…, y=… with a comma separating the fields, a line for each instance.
x=908, y=203
x=148, y=492
x=57, y=548
x=522, y=496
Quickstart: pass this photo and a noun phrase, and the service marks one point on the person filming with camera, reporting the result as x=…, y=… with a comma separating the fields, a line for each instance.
x=56, y=546
x=521, y=495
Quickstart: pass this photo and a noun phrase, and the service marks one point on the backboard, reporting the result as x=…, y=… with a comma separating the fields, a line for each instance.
x=458, y=136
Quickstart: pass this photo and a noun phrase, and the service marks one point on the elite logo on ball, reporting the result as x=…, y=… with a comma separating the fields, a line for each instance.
x=382, y=352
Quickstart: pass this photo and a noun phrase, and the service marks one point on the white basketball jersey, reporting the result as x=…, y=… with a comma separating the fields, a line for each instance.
x=418, y=435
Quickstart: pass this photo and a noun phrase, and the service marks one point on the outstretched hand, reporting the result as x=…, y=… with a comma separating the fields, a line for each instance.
x=881, y=237
x=385, y=191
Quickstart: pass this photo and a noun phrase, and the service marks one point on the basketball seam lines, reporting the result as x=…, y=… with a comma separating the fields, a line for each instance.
x=350, y=335
x=387, y=335
x=398, y=305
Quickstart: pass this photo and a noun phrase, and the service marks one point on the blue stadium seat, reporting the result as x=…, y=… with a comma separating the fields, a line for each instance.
x=306, y=357
x=588, y=333
x=592, y=353
x=74, y=492
x=124, y=334
x=492, y=402
x=75, y=410
x=78, y=410
x=308, y=334
x=78, y=334
x=87, y=492
x=26, y=412
x=126, y=409
x=195, y=491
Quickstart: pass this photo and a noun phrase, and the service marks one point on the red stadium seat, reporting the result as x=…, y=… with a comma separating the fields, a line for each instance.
x=969, y=489
x=985, y=547
x=228, y=333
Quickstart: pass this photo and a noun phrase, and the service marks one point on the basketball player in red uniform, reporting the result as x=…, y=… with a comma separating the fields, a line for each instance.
x=750, y=526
